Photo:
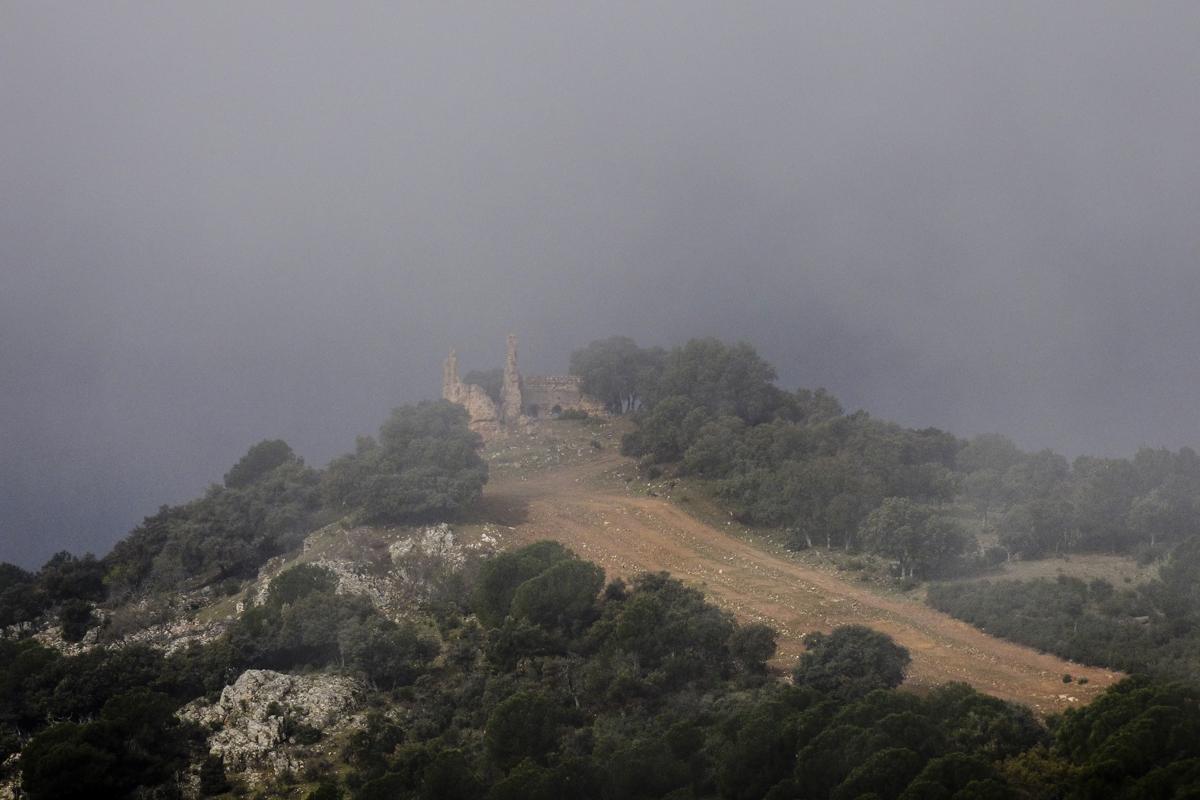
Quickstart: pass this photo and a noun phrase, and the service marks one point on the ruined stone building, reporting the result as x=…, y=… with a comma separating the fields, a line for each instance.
x=523, y=398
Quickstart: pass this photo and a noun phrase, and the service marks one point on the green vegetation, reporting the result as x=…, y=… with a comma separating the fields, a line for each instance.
x=97, y=719
x=102, y=722
x=306, y=624
x=425, y=466
x=65, y=587
x=851, y=662
x=115, y=727
x=1153, y=628
x=526, y=676
x=18, y=603
x=135, y=742
x=228, y=533
x=557, y=686
x=648, y=698
x=500, y=578
x=75, y=620
x=915, y=536
x=617, y=372
x=1043, y=505
x=793, y=460
x=258, y=461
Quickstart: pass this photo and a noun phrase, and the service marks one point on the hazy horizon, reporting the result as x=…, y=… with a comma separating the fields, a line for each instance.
x=225, y=223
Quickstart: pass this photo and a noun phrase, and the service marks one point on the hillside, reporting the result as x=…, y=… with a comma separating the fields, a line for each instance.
x=720, y=591
x=554, y=485
x=536, y=647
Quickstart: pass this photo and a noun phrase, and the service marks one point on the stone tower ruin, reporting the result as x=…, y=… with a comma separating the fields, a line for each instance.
x=510, y=391
x=523, y=399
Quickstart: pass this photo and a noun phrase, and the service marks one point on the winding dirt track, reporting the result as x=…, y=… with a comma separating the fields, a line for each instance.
x=627, y=533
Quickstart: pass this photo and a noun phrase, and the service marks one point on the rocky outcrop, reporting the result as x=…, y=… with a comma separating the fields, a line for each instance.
x=50, y=635
x=408, y=572
x=259, y=715
x=167, y=624
x=436, y=542
x=179, y=634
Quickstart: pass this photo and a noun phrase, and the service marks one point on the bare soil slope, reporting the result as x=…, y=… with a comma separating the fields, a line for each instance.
x=587, y=508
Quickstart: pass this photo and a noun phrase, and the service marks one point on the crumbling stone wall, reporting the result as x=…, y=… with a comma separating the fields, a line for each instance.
x=521, y=398
x=485, y=416
x=542, y=394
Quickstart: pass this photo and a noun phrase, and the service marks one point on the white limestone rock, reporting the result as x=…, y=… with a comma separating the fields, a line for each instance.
x=248, y=721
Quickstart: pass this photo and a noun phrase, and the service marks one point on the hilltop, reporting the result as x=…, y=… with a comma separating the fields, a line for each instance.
x=710, y=587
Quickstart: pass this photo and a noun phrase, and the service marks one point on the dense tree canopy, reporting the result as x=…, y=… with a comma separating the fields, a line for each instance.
x=646, y=703
x=794, y=460
x=722, y=379
x=227, y=533
x=306, y=623
x=850, y=662
x=19, y=601
x=617, y=372
x=1154, y=627
x=424, y=466
x=258, y=461
x=643, y=690
x=135, y=742
x=500, y=577
x=917, y=537
x=66, y=586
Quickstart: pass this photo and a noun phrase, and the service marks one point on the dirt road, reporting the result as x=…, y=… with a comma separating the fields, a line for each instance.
x=626, y=533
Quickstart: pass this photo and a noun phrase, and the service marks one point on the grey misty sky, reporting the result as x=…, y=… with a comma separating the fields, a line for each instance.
x=222, y=222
